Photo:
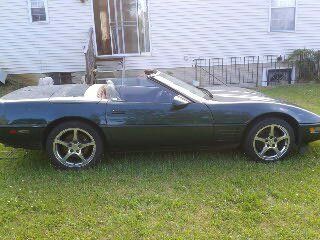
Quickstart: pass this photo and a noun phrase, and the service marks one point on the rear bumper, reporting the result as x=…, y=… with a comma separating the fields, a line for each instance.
x=23, y=137
x=309, y=132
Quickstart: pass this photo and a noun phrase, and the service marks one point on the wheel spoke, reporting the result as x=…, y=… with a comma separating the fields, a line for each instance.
x=81, y=157
x=66, y=157
x=264, y=150
x=272, y=130
x=75, y=135
x=60, y=142
x=259, y=139
x=284, y=137
x=277, y=151
x=84, y=145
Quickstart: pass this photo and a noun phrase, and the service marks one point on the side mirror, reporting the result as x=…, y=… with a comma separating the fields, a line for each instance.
x=179, y=102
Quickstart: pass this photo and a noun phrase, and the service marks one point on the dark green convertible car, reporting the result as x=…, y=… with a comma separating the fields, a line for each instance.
x=76, y=124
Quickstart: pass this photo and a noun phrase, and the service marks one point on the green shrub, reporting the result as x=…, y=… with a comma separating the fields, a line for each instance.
x=307, y=62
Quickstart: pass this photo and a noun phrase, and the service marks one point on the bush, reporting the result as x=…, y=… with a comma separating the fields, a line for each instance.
x=307, y=62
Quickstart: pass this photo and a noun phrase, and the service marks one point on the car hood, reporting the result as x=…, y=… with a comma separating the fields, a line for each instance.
x=240, y=105
x=237, y=94
x=47, y=92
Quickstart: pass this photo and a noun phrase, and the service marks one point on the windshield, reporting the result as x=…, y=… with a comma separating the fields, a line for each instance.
x=182, y=86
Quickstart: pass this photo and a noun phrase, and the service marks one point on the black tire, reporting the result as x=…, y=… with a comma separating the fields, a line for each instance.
x=254, y=146
x=61, y=144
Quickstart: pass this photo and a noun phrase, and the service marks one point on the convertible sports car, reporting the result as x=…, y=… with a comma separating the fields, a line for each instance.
x=77, y=123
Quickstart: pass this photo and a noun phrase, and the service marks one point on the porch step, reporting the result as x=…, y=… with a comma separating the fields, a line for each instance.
x=110, y=62
x=110, y=59
x=104, y=80
x=104, y=74
x=109, y=65
x=109, y=68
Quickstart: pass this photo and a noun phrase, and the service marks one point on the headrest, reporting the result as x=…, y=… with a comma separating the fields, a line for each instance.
x=92, y=91
x=103, y=91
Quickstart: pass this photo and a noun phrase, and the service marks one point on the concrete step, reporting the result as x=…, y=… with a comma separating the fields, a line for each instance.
x=109, y=59
x=110, y=63
x=104, y=80
x=108, y=68
x=105, y=74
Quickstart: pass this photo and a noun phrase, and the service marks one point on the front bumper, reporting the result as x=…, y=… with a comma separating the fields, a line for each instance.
x=309, y=132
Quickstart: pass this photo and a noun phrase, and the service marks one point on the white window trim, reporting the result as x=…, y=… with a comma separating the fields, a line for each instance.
x=30, y=13
x=283, y=31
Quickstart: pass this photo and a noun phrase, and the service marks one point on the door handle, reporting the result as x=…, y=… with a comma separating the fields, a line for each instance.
x=118, y=112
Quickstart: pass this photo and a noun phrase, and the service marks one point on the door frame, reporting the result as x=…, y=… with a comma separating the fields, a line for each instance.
x=119, y=115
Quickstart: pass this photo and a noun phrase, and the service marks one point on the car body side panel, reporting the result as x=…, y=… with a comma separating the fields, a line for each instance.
x=152, y=124
x=144, y=124
x=243, y=112
x=231, y=119
x=29, y=119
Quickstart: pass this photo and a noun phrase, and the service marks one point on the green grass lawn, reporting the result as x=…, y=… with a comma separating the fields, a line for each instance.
x=306, y=95
x=166, y=195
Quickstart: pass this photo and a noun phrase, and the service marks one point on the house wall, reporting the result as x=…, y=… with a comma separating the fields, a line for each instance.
x=180, y=30
x=220, y=28
x=56, y=46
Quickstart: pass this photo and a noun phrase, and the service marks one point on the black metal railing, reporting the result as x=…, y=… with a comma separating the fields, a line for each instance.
x=254, y=70
x=89, y=52
x=308, y=65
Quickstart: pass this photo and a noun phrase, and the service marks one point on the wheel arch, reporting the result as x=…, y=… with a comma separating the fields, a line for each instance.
x=283, y=116
x=56, y=122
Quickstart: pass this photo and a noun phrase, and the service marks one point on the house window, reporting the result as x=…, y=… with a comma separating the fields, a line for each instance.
x=129, y=26
x=283, y=15
x=38, y=10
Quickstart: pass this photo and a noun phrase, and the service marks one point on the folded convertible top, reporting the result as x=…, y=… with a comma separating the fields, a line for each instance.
x=41, y=92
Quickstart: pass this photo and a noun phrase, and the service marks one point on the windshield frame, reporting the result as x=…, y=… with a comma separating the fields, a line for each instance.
x=165, y=80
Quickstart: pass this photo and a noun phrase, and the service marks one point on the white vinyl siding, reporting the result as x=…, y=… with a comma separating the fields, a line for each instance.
x=179, y=29
x=56, y=46
x=186, y=29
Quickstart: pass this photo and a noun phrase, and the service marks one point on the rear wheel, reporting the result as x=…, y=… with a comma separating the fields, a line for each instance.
x=270, y=140
x=74, y=145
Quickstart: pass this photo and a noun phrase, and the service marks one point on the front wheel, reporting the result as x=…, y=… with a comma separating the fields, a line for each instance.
x=74, y=145
x=270, y=140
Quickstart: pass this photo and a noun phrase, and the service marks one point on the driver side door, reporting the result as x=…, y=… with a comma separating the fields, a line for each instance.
x=141, y=122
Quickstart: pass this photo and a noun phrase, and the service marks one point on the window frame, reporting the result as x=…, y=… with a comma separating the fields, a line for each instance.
x=46, y=11
x=295, y=18
x=147, y=26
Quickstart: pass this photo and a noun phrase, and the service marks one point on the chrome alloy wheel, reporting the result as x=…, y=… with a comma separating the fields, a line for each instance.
x=74, y=147
x=271, y=142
